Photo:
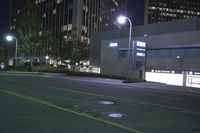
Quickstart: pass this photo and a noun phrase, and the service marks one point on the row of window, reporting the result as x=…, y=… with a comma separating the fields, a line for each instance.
x=177, y=53
x=166, y=53
x=166, y=10
x=171, y=10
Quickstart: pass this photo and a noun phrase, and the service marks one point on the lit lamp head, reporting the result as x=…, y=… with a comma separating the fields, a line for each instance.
x=121, y=19
x=9, y=38
x=47, y=57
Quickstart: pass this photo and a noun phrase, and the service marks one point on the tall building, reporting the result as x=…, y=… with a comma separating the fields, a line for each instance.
x=74, y=17
x=69, y=19
x=157, y=11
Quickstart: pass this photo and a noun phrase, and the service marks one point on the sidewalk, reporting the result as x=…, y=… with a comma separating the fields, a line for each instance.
x=36, y=73
x=146, y=85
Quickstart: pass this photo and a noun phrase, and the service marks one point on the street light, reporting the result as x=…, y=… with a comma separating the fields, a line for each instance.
x=145, y=60
x=46, y=57
x=10, y=38
x=122, y=20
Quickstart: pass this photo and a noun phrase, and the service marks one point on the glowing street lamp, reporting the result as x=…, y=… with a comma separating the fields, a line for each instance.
x=10, y=38
x=122, y=20
x=46, y=57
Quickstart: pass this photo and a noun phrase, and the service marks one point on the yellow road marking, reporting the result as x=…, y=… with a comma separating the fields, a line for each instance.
x=49, y=104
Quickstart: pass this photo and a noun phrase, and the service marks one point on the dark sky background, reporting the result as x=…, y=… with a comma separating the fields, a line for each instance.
x=4, y=19
x=135, y=13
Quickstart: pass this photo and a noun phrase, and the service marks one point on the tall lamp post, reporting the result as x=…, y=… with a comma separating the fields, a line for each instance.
x=10, y=38
x=122, y=20
x=145, y=60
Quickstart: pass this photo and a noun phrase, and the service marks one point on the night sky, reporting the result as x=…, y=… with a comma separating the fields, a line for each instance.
x=4, y=19
x=135, y=12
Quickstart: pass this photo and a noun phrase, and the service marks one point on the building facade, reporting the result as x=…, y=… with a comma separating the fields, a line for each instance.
x=172, y=53
x=73, y=17
x=68, y=19
x=157, y=11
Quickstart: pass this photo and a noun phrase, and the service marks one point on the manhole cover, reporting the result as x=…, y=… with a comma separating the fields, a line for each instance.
x=114, y=115
x=102, y=101
x=105, y=102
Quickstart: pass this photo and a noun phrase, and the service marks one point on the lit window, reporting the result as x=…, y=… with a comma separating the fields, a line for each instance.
x=140, y=54
x=190, y=72
x=69, y=27
x=65, y=37
x=40, y=33
x=141, y=44
x=85, y=8
x=44, y=15
x=66, y=27
x=18, y=11
x=113, y=44
x=58, y=1
x=54, y=11
x=84, y=28
x=100, y=19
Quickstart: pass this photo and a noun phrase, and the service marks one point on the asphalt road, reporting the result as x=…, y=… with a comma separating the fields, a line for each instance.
x=61, y=104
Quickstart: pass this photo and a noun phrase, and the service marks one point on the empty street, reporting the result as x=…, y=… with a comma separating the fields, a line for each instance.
x=31, y=103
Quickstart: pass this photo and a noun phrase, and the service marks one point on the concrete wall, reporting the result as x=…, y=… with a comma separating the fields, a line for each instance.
x=174, y=39
x=179, y=49
x=114, y=64
x=110, y=62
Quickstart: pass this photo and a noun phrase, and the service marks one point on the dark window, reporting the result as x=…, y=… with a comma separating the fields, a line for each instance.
x=123, y=53
x=70, y=16
x=163, y=53
x=194, y=52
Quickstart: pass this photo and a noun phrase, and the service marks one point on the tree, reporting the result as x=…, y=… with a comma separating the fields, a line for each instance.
x=31, y=42
x=76, y=52
x=27, y=29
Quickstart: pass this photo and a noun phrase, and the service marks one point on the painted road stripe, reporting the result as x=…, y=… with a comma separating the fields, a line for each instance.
x=49, y=104
x=99, y=95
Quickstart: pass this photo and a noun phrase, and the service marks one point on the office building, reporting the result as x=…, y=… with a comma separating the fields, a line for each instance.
x=70, y=18
x=157, y=11
x=173, y=52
